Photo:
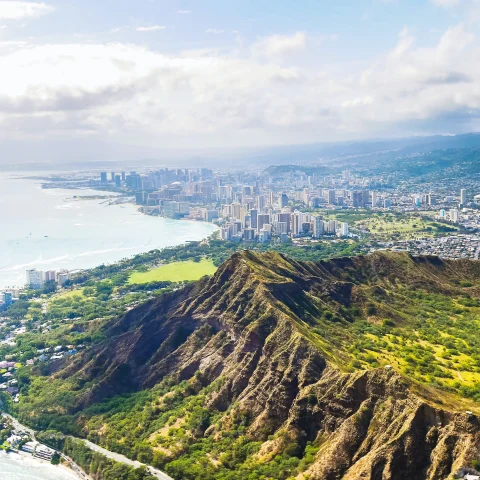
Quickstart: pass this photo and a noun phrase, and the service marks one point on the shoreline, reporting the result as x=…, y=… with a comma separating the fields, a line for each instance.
x=133, y=232
x=26, y=460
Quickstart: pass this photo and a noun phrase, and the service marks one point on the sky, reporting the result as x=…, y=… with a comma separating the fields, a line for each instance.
x=201, y=74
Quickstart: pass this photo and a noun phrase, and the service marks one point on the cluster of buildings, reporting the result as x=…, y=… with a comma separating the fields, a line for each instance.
x=21, y=440
x=278, y=204
x=36, y=279
x=9, y=383
x=262, y=224
x=452, y=246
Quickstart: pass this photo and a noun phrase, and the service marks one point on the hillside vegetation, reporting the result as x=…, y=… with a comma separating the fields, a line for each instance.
x=274, y=368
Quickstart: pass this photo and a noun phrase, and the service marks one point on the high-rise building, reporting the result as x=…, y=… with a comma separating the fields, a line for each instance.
x=261, y=203
x=118, y=181
x=112, y=176
x=306, y=196
x=374, y=199
x=331, y=197
x=463, y=196
x=123, y=176
x=249, y=234
x=357, y=198
x=263, y=219
x=343, y=229
x=284, y=200
x=254, y=218
x=49, y=276
x=332, y=226
x=317, y=226
x=7, y=299
x=282, y=227
x=297, y=221
x=35, y=279
x=454, y=215
x=103, y=177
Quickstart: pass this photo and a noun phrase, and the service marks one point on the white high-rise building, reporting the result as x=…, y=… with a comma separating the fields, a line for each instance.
x=344, y=229
x=374, y=199
x=332, y=226
x=297, y=220
x=454, y=215
x=463, y=196
x=317, y=226
x=35, y=279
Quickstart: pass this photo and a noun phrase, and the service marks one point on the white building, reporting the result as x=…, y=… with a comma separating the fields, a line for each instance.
x=317, y=226
x=342, y=231
x=297, y=220
x=454, y=215
x=35, y=279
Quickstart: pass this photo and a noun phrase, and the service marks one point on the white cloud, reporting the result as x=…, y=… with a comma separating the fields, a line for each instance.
x=152, y=28
x=214, y=31
x=221, y=97
x=446, y=3
x=18, y=10
x=184, y=12
x=280, y=44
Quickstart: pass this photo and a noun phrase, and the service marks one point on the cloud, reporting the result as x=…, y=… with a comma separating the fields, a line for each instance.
x=214, y=31
x=280, y=44
x=446, y=3
x=184, y=12
x=220, y=97
x=152, y=28
x=18, y=10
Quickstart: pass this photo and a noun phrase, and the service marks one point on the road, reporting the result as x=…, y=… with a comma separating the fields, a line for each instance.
x=18, y=426
x=122, y=459
x=96, y=448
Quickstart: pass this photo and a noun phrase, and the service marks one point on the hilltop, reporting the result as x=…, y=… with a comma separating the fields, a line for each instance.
x=350, y=368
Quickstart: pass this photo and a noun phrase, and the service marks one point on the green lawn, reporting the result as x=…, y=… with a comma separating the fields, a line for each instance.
x=175, y=272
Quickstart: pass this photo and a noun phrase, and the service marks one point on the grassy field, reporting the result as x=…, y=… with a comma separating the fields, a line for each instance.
x=175, y=272
x=392, y=224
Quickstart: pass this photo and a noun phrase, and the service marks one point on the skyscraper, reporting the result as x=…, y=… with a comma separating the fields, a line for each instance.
x=317, y=226
x=254, y=218
x=103, y=177
x=463, y=196
x=297, y=220
x=331, y=197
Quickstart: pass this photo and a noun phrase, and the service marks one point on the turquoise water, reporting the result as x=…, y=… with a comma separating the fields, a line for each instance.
x=49, y=229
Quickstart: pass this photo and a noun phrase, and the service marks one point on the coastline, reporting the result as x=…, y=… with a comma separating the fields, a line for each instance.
x=52, y=231
x=27, y=461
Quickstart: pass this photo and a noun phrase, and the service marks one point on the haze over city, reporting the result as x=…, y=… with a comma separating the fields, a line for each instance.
x=85, y=77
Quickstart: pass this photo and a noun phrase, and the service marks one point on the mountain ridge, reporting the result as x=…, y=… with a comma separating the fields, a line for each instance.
x=267, y=339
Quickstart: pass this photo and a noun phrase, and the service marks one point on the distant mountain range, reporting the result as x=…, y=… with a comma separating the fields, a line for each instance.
x=95, y=153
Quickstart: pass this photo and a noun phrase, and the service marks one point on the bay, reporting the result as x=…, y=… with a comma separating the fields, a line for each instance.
x=50, y=229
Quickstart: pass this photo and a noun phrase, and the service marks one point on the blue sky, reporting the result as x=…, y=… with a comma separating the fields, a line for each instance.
x=207, y=73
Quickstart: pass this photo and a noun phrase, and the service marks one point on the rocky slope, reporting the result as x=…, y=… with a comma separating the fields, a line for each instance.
x=258, y=336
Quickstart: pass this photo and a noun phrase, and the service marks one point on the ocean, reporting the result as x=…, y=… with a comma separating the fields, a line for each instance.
x=23, y=467
x=49, y=229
